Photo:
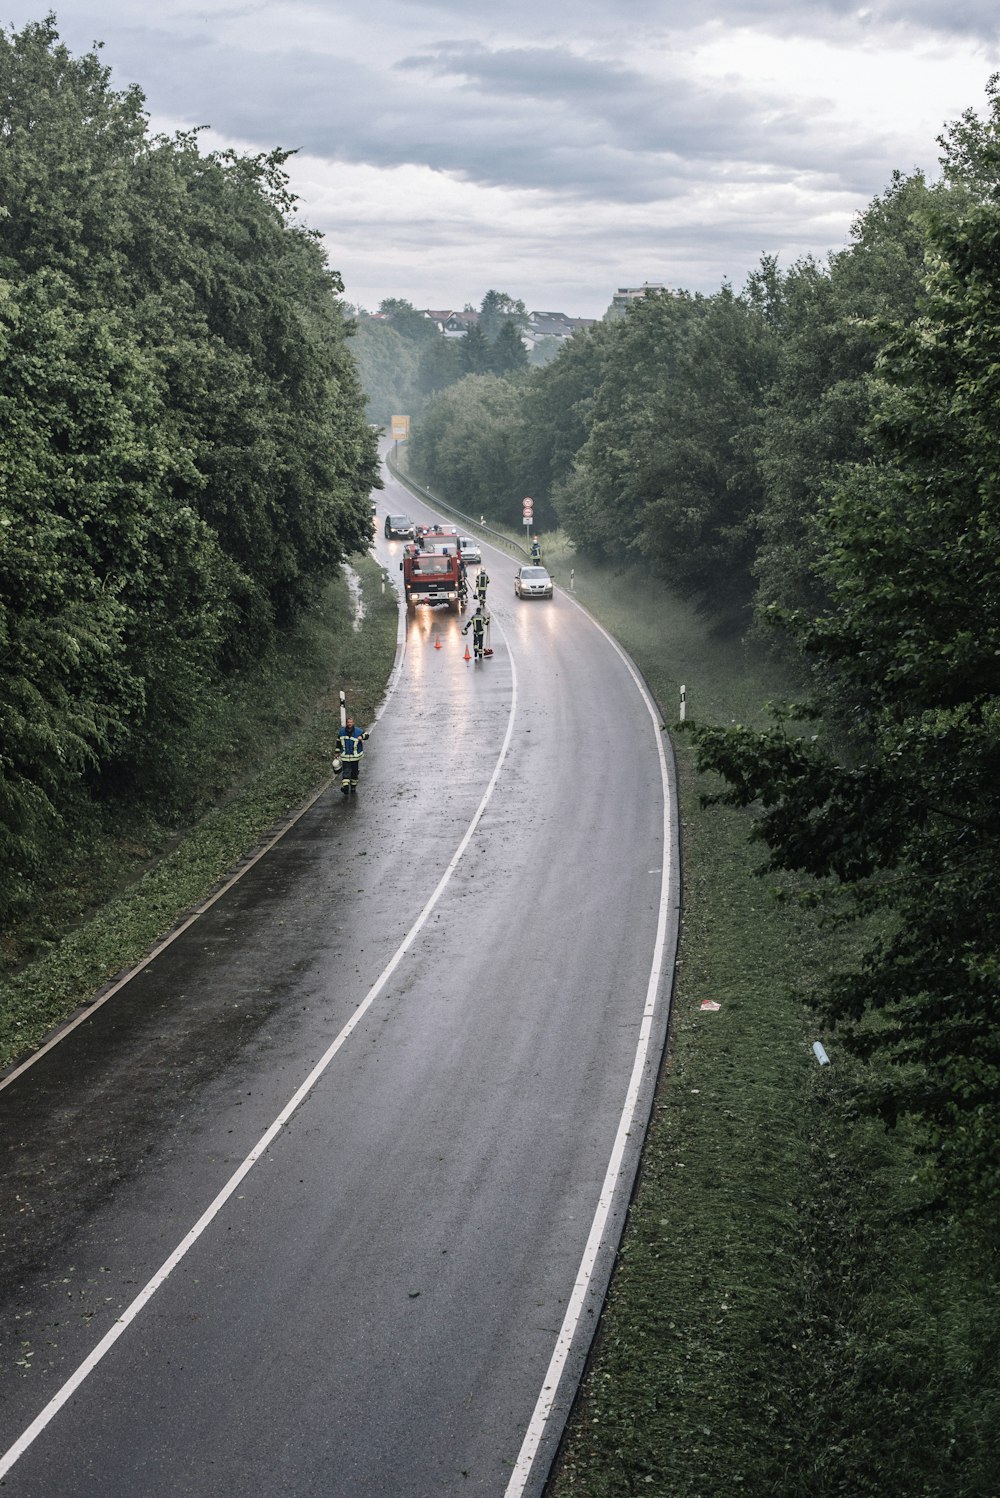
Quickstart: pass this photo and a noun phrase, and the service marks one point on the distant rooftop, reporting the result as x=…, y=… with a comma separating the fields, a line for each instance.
x=626, y=295
x=634, y=291
x=556, y=324
x=539, y=324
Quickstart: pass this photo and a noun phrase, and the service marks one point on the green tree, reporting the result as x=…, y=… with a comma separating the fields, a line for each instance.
x=668, y=471
x=109, y=588
x=466, y=447
x=555, y=418
x=496, y=309
x=601, y=501
x=408, y=322
x=425, y=361
x=830, y=323
x=896, y=805
x=474, y=351
x=698, y=481
x=387, y=367
x=440, y=366
x=508, y=356
x=244, y=317
x=67, y=164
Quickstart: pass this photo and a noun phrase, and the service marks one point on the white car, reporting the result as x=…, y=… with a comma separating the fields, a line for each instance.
x=470, y=549
x=532, y=582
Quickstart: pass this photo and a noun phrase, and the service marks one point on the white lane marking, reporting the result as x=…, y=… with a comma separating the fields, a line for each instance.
x=200, y=910
x=574, y=1310
x=55, y=1404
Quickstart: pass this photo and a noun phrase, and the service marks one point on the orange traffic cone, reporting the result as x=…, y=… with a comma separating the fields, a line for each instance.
x=437, y=643
x=468, y=657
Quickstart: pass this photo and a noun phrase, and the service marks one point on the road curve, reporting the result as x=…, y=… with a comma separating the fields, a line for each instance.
x=324, y=1200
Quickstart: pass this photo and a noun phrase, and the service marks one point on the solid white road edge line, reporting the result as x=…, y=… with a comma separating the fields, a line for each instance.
x=574, y=1310
x=69, y=1388
x=200, y=910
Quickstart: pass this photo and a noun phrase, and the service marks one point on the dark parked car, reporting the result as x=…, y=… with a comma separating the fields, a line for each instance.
x=532, y=582
x=398, y=528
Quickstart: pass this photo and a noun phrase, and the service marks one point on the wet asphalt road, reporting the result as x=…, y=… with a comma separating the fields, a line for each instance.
x=374, y=1307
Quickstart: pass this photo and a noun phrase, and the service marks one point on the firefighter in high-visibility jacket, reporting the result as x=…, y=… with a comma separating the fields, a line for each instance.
x=482, y=583
x=350, y=747
x=479, y=624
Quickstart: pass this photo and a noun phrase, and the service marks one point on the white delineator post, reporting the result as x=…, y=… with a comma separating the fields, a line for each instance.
x=683, y=701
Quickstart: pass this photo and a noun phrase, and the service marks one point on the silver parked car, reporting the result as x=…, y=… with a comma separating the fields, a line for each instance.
x=532, y=582
x=470, y=549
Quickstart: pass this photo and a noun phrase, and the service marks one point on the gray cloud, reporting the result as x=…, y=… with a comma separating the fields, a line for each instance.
x=528, y=117
x=538, y=116
x=603, y=125
x=977, y=18
x=582, y=106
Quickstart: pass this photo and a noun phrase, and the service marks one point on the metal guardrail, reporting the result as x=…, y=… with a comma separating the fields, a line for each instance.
x=496, y=537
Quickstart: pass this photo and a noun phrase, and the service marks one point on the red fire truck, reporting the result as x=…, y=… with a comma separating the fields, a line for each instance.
x=437, y=537
x=432, y=566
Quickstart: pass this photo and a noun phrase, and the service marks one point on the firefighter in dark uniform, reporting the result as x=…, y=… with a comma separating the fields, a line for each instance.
x=350, y=747
x=536, y=550
x=479, y=623
x=482, y=583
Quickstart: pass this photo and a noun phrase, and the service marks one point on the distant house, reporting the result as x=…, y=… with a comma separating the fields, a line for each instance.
x=626, y=295
x=543, y=325
x=451, y=324
x=540, y=325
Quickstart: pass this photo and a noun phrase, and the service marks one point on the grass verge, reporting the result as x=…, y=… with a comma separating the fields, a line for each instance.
x=273, y=743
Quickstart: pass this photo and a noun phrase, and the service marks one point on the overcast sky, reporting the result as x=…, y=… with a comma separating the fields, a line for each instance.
x=557, y=151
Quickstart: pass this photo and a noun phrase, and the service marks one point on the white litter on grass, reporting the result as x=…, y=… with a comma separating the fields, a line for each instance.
x=354, y=583
x=820, y=1054
x=710, y=1005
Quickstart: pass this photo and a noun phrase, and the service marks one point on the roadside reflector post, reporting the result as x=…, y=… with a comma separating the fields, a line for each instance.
x=683, y=702
x=343, y=710
x=572, y=579
x=385, y=579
